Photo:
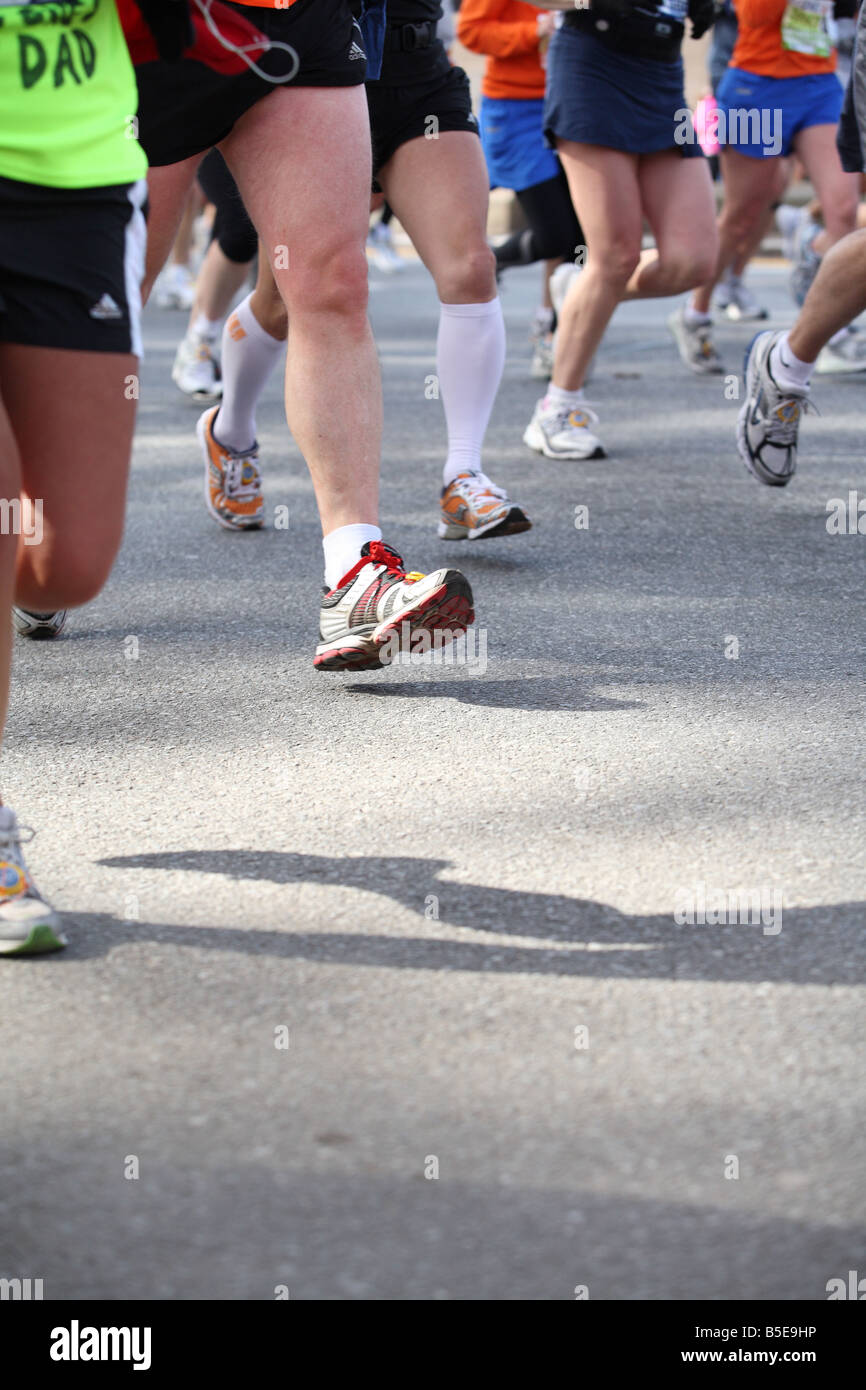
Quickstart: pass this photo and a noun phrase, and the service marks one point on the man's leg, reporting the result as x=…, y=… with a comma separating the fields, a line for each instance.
x=168, y=187
x=301, y=159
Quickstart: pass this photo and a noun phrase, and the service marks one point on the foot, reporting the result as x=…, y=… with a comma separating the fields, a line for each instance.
x=381, y=249
x=737, y=301
x=695, y=344
x=28, y=926
x=847, y=355
x=232, y=481
x=542, y=358
x=377, y=601
x=770, y=418
x=40, y=626
x=806, y=259
x=175, y=288
x=473, y=506
x=564, y=434
x=196, y=371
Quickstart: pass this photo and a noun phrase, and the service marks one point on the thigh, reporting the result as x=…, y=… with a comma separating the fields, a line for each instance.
x=677, y=198
x=301, y=159
x=749, y=183
x=72, y=416
x=605, y=192
x=439, y=191
x=816, y=147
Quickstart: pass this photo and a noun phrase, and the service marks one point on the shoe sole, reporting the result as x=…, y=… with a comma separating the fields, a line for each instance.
x=534, y=438
x=448, y=608
x=199, y=394
x=39, y=942
x=513, y=524
x=252, y=525
x=41, y=634
x=753, y=466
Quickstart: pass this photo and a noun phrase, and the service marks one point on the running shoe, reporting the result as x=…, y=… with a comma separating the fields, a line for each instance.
x=28, y=926
x=805, y=258
x=846, y=355
x=788, y=219
x=560, y=283
x=196, y=371
x=737, y=302
x=564, y=434
x=769, y=420
x=378, y=601
x=473, y=507
x=232, y=481
x=175, y=288
x=381, y=249
x=542, y=357
x=695, y=344
x=41, y=627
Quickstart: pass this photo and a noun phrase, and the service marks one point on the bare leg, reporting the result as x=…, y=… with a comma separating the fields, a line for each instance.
x=605, y=187
x=677, y=198
x=749, y=190
x=301, y=159
x=218, y=282
x=836, y=297
x=168, y=187
x=837, y=192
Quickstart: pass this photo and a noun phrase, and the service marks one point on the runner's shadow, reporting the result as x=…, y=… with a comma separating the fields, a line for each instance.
x=817, y=945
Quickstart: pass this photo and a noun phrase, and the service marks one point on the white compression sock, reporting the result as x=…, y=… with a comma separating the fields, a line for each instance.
x=787, y=368
x=343, y=549
x=248, y=358
x=470, y=357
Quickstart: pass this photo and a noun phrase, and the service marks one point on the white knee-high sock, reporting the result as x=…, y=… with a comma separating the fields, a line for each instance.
x=470, y=357
x=248, y=358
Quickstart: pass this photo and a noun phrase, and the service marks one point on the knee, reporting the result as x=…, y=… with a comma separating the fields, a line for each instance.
x=616, y=264
x=67, y=578
x=331, y=281
x=841, y=215
x=689, y=268
x=469, y=278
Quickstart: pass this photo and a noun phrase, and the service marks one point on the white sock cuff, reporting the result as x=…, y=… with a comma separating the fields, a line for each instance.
x=472, y=311
x=251, y=326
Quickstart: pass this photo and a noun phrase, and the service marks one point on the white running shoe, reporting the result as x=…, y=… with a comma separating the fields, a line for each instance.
x=769, y=420
x=564, y=434
x=196, y=371
x=695, y=344
x=175, y=288
x=560, y=283
x=28, y=926
x=847, y=355
x=737, y=302
x=807, y=262
x=381, y=249
x=788, y=219
x=40, y=626
x=542, y=357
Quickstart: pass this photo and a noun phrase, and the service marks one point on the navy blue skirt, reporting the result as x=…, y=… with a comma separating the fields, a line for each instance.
x=599, y=96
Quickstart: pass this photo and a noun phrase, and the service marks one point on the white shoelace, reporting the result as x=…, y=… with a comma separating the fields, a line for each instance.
x=234, y=484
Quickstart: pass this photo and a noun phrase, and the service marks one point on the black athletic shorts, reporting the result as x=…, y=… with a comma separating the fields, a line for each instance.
x=189, y=106
x=71, y=262
x=232, y=228
x=400, y=114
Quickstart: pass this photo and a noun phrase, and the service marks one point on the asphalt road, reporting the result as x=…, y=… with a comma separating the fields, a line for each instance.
x=431, y=878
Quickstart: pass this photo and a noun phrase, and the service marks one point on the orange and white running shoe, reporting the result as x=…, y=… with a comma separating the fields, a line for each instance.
x=232, y=481
x=473, y=507
x=378, y=603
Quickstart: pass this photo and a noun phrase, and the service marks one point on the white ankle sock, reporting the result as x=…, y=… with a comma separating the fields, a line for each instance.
x=559, y=399
x=343, y=549
x=694, y=318
x=470, y=356
x=206, y=328
x=787, y=369
x=248, y=358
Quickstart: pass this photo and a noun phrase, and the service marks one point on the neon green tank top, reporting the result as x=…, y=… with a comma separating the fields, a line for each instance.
x=67, y=95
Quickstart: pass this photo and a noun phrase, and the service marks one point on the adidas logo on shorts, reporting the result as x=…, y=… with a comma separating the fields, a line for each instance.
x=356, y=51
x=106, y=308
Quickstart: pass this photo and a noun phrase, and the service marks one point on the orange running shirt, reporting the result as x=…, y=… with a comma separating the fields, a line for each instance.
x=507, y=31
x=760, y=47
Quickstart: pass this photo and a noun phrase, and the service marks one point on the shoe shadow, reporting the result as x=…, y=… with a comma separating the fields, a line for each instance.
x=526, y=693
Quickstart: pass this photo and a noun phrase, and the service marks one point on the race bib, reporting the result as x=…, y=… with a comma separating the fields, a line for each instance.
x=805, y=27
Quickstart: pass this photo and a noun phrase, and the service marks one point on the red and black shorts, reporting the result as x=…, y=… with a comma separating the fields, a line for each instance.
x=189, y=106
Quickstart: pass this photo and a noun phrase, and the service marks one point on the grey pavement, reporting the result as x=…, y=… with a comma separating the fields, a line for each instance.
x=434, y=878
